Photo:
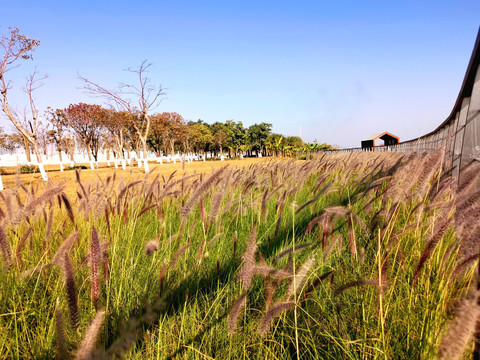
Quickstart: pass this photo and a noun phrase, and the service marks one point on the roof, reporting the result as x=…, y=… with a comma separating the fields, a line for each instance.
x=379, y=135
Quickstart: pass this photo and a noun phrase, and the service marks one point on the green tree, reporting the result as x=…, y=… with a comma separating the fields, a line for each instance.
x=221, y=135
x=236, y=135
x=274, y=142
x=200, y=136
x=258, y=135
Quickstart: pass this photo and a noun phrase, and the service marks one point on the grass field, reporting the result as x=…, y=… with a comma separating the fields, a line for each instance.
x=131, y=172
x=359, y=256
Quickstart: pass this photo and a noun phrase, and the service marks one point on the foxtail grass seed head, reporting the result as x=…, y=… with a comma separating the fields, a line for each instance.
x=215, y=204
x=178, y=254
x=300, y=278
x=298, y=248
x=89, y=342
x=71, y=290
x=60, y=338
x=201, y=251
x=39, y=202
x=68, y=207
x=200, y=190
x=431, y=245
x=151, y=247
x=274, y=311
x=107, y=220
x=214, y=239
x=5, y=247
x=64, y=248
x=94, y=266
x=246, y=272
x=235, y=312
x=21, y=244
x=266, y=272
x=162, y=276
x=460, y=331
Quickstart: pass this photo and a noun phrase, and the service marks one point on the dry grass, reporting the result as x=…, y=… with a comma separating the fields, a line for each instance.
x=132, y=172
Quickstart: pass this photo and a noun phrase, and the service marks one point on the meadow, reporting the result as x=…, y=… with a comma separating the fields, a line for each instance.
x=360, y=256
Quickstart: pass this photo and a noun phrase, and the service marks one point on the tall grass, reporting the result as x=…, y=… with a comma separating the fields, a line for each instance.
x=353, y=256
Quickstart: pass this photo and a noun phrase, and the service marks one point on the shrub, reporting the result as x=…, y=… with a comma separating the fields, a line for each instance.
x=83, y=167
x=28, y=169
x=5, y=171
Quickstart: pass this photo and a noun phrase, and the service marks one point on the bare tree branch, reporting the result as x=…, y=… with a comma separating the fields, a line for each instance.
x=17, y=47
x=148, y=97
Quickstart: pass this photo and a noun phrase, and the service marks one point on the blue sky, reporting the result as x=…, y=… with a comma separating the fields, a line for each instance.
x=335, y=71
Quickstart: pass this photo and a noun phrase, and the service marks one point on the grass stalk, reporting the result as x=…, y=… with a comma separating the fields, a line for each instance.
x=295, y=315
x=380, y=295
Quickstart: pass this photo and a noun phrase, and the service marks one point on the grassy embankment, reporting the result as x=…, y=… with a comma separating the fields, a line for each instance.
x=339, y=257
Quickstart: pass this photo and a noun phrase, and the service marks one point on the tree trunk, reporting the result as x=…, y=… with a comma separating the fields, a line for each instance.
x=45, y=152
x=145, y=155
x=60, y=158
x=26, y=145
x=119, y=143
x=39, y=160
x=89, y=153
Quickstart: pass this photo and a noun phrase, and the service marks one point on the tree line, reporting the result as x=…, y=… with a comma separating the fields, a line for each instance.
x=95, y=128
x=129, y=123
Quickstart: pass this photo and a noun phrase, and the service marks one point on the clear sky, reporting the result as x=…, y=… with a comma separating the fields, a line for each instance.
x=335, y=71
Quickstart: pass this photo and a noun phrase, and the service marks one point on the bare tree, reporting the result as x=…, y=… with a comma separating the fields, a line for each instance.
x=147, y=96
x=17, y=47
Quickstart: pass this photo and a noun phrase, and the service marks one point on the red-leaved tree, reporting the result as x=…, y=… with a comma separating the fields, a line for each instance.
x=87, y=121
